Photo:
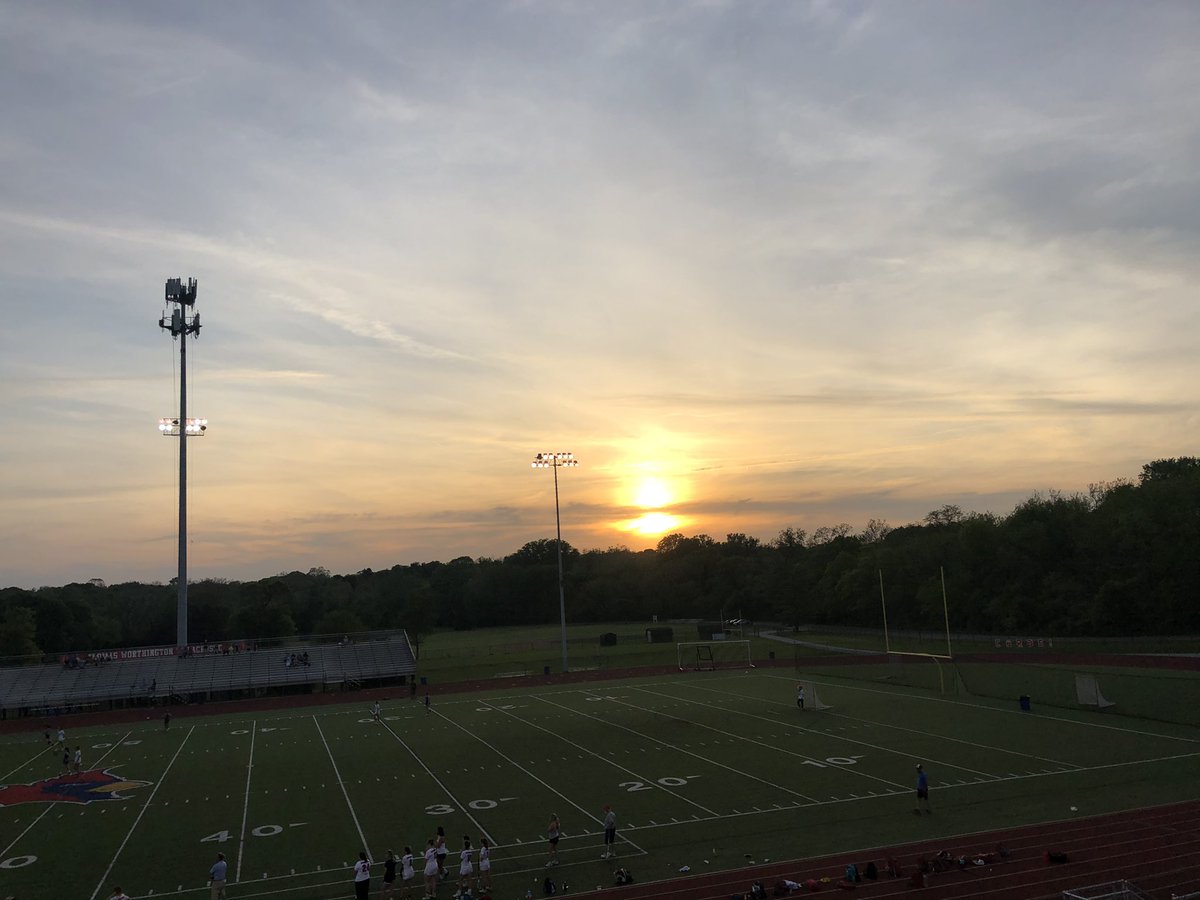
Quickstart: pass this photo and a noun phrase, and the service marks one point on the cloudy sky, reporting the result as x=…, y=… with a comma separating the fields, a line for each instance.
x=757, y=265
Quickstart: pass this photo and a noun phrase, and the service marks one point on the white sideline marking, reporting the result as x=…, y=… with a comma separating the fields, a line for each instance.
x=237, y=876
x=338, y=775
x=104, y=878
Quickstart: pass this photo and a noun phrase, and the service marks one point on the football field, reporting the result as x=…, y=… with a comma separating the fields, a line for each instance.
x=705, y=770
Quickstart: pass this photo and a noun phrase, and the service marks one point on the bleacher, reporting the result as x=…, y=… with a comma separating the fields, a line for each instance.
x=154, y=675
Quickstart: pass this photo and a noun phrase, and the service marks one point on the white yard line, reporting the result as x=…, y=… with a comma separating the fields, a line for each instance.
x=459, y=804
x=940, y=737
x=24, y=764
x=362, y=837
x=145, y=806
x=840, y=737
x=678, y=749
x=996, y=709
x=589, y=753
x=512, y=762
x=51, y=806
x=237, y=876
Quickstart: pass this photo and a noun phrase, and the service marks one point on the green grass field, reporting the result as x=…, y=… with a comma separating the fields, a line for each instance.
x=704, y=770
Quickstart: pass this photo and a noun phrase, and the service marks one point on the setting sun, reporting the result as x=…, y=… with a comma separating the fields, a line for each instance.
x=652, y=493
x=652, y=524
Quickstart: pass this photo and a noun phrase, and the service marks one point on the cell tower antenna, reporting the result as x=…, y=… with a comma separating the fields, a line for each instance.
x=182, y=320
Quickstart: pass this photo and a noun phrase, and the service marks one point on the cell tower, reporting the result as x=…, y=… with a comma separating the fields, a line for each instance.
x=182, y=321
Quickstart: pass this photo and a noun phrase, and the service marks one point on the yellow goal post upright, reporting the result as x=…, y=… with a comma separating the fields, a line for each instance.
x=937, y=658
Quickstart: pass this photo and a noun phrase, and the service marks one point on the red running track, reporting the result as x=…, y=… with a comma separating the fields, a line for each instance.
x=1157, y=848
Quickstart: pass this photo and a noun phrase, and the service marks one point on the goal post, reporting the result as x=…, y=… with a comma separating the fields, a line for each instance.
x=812, y=700
x=707, y=656
x=1087, y=691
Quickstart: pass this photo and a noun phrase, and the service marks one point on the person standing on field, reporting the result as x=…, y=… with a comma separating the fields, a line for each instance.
x=485, y=864
x=922, y=791
x=389, y=876
x=431, y=869
x=466, y=870
x=553, y=833
x=216, y=878
x=78, y=761
x=362, y=877
x=800, y=695
x=441, y=850
x=610, y=832
x=406, y=871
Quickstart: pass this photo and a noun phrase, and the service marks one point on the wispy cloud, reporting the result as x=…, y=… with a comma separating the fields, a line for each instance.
x=800, y=260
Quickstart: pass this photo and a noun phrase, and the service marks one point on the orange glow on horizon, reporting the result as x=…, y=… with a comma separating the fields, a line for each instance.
x=652, y=524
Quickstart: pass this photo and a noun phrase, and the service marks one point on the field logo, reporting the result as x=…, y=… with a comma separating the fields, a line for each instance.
x=86, y=787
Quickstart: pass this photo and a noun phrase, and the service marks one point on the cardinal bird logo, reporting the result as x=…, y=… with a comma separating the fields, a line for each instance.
x=85, y=787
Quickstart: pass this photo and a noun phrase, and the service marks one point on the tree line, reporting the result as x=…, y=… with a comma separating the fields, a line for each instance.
x=1123, y=558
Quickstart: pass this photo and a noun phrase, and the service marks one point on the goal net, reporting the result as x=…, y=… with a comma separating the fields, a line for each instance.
x=711, y=655
x=1087, y=689
x=812, y=700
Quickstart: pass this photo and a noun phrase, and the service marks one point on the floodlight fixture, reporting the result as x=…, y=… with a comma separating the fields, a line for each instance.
x=192, y=427
x=557, y=460
x=554, y=460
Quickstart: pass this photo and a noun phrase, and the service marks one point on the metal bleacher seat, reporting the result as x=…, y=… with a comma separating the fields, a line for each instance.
x=46, y=687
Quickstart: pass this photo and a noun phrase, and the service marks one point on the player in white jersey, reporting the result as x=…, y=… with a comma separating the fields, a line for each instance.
x=431, y=870
x=406, y=871
x=466, y=870
x=485, y=864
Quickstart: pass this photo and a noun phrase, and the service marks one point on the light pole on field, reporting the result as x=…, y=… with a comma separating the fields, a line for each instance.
x=556, y=461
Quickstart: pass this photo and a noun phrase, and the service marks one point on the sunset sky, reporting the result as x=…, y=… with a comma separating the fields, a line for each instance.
x=757, y=264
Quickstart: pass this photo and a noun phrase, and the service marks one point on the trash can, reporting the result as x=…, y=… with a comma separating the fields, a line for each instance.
x=1024, y=701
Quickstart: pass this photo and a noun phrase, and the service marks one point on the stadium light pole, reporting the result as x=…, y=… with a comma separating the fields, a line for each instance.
x=181, y=322
x=556, y=461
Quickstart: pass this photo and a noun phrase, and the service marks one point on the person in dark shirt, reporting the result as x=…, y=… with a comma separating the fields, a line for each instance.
x=922, y=791
x=389, y=874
